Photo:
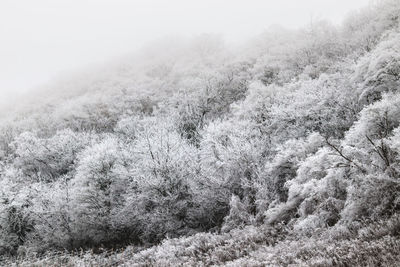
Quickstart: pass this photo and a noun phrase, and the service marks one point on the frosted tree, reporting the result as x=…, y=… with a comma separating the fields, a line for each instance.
x=98, y=191
x=161, y=194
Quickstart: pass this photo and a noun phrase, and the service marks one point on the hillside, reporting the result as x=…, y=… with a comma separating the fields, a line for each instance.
x=283, y=151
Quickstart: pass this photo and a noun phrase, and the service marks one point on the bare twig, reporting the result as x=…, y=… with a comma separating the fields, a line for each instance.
x=344, y=156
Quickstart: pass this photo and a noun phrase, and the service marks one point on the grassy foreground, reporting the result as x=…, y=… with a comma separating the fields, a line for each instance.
x=376, y=244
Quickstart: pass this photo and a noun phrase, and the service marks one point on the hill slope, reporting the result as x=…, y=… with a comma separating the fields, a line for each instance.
x=284, y=151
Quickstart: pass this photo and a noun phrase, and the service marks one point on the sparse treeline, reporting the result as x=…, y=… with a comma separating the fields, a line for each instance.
x=296, y=128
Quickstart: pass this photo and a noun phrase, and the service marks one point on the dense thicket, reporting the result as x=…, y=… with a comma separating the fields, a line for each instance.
x=295, y=128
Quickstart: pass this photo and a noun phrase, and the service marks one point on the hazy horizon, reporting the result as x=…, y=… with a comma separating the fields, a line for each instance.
x=44, y=39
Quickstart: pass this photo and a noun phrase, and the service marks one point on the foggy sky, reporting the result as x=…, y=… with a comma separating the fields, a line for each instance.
x=42, y=38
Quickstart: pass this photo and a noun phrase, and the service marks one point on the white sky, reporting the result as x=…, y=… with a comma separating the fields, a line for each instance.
x=42, y=38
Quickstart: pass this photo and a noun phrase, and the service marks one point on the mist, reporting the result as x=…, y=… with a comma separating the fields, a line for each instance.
x=43, y=39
